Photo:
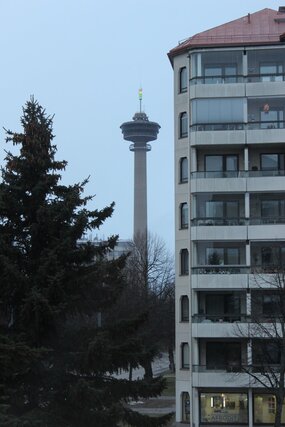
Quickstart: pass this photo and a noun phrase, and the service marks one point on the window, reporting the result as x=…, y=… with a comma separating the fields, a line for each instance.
x=223, y=408
x=185, y=355
x=271, y=118
x=221, y=165
x=183, y=173
x=272, y=162
x=264, y=407
x=183, y=215
x=272, y=256
x=185, y=406
x=266, y=352
x=183, y=125
x=220, y=73
x=184, y=308
x=184, y=262
x=273, y=208
x=223, y=355
x=182, y=80
x=222, y=209
x=271, y=304
x=223, y=256
x=219, y=110
x=271, y=72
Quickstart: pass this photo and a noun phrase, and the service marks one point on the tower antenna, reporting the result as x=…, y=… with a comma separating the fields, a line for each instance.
x=140, y=98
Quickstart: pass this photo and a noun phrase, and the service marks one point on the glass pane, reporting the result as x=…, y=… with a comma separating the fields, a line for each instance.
x=224, y=408
x=270, y=208
x=232, y=256
x=183, y=125
x=184, y=215
x=265, y=408
x=185, y=355
x=183, y=79
x=269, y=161
x=231, y=163
x=184, y=170
x=214, y=209
x=232, y=209
x=215, y=256
x=214, y=163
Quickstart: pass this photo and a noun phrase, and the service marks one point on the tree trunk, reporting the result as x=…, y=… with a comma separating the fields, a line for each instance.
x=171, y=359
x=279, y=403
x=148, y=374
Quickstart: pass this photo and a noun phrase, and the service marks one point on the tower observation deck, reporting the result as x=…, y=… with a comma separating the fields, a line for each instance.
x=140, y=131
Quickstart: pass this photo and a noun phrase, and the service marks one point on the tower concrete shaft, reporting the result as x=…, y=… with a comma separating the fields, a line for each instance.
x=140, y=131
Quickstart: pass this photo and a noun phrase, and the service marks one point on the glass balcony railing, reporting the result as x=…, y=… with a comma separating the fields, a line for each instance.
x=220, y=318
x=237, y=174
x=217, y=367
x=218, y=221
x=220, y=269
x=196, y=222
x=252, y=125
x=238, y=78
x=232, y=367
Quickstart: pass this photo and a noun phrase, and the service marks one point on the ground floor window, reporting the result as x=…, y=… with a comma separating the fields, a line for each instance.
x=224, y=408
x=185, y=406
x=264, y=409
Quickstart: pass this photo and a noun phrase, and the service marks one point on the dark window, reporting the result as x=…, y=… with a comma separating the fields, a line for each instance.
x=183, y=125
x=183, y=79
x=185, y=355
x=272, y=256
x=271, y=304
x=272, y=208
x=184, y=262
x=183, y=175
x=184, y=308
x=223, y=355
x=266, y=352
x=184, y=215
x=272, y=162
x=221, y=165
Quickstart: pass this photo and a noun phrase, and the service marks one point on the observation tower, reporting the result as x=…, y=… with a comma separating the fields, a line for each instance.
x=140, y=131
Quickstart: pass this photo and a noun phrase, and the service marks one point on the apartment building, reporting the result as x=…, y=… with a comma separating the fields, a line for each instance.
x=229, y=106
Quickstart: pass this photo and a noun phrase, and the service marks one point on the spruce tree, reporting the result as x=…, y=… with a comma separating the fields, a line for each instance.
x=56, y=360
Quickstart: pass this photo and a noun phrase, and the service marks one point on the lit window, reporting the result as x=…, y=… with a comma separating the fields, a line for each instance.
x=183, y=125
x=184, y=308
x=183, y=215
x=223, y=408
x=185, y=355
x=184, y=262
x=183, y=173
x=182, y=79
x=265, y=408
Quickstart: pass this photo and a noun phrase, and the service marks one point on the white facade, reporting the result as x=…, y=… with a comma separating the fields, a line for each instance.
x=230, y=220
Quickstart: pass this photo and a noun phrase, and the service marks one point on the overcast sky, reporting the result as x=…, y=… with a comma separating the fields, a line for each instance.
x=84, y=61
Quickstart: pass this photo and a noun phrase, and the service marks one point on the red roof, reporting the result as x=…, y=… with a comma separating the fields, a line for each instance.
x=262, y=27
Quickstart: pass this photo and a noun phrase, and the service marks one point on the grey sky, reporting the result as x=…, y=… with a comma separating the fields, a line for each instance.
x=84, y=61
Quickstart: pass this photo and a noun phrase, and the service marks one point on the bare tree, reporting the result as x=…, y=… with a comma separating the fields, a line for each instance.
x=150, y=292
x=266, y=337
